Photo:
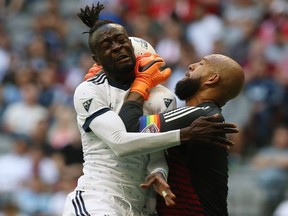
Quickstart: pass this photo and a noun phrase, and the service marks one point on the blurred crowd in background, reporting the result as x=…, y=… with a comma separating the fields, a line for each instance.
x=44, y=55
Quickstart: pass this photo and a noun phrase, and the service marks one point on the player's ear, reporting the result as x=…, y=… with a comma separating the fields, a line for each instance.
x=94, y=56
x=213, y=78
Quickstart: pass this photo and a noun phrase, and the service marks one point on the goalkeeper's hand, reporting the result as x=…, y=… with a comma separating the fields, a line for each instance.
x=149, y=71
x=93, y=71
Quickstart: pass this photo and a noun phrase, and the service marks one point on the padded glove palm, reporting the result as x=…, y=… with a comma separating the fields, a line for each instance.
x=149, y=71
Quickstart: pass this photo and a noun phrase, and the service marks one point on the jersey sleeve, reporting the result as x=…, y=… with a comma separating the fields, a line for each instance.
x=171, y=120
x=110, y=128
x=158, y=163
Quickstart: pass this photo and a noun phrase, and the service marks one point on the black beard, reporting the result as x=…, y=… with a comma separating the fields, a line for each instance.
x=186, y=89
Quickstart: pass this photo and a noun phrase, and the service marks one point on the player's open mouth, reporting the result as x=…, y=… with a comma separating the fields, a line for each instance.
x=122, y=58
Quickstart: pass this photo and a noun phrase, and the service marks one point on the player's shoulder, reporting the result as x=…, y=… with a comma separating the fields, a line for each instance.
x=89, y=88
x=161, y=90
x=95, y=82
x=83, y=88
x=160, y=99
x=98, y=79
x=208, y=105
x=209, y=108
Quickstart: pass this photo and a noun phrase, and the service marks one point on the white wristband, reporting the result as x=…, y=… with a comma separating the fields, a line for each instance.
x=162, y=171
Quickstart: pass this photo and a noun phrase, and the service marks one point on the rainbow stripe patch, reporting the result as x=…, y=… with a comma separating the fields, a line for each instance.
x=150, y=124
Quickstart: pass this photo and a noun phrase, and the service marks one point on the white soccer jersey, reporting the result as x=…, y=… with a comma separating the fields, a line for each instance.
x=113, y=163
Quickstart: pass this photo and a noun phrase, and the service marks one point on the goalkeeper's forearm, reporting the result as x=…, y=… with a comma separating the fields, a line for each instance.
x=131, y=111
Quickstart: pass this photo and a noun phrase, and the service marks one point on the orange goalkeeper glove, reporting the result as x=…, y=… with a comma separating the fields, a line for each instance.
x=149, y=73
x=93, y=71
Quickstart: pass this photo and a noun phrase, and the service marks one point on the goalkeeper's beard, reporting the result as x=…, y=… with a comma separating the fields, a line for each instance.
x=186, y=89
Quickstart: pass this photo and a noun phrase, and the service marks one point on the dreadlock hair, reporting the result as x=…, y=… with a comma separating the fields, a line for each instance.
x=90, y=17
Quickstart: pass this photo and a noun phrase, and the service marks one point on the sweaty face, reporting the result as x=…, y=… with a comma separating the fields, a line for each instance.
x=113, y=49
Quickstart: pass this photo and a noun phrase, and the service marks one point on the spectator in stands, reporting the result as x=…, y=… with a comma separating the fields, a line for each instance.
x=22, y=117
x=272, y=163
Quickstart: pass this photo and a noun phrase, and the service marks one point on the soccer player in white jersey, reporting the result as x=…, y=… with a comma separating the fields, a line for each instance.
x=116, y=162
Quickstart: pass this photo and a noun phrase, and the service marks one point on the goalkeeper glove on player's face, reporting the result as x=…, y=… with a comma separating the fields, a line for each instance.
x=149, y=71
x=140, y=46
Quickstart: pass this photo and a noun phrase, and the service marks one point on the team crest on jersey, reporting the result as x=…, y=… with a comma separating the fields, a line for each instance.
x=87, y=104
x=152, y=128
x=167, y=101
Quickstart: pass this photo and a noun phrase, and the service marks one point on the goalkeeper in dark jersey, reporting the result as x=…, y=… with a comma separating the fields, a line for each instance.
x=198, y=173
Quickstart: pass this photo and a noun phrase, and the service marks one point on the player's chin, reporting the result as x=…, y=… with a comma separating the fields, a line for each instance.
x=128, y=66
